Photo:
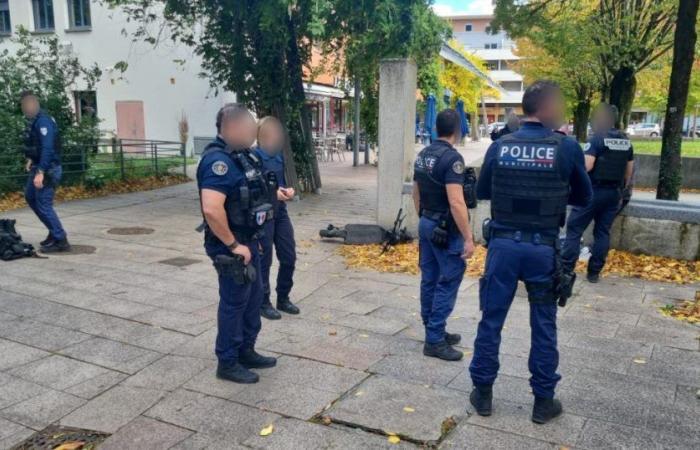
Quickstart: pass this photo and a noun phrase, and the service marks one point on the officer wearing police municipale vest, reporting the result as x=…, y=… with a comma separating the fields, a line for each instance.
x=42, y=148
x=610, y=163
x=530, y=176
x=237, y=201
x=445, y=236
x=279, y=232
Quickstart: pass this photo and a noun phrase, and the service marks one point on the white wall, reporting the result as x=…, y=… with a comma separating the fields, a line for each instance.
x=148, y=77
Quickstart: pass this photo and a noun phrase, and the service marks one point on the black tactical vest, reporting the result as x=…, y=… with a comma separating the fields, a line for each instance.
x=433, y=195
x=251, y=206
x=527, y=191
x=32, y=140
x=611, y=162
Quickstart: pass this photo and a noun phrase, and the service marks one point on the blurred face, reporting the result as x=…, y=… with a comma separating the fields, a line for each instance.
x=30, y=106
x=602, y=121
x=271, y=138
x=552, y=111
x=239, y=133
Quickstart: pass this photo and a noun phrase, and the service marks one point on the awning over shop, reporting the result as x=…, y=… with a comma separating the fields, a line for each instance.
x=320, y=92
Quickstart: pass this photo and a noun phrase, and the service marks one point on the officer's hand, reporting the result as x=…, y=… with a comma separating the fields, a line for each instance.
x=468, y=249
x=39, y=180
x=282, y=195
x=290, y=192
x=28, y=167
x=243, y=251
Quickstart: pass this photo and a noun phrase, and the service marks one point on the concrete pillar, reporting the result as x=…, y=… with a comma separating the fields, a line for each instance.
x=397, y=123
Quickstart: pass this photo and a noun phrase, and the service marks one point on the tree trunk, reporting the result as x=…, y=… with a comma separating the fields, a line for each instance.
x=356, y=124
x=300, y=117
x=582, y=113
x=622, y=91
x=485, y=118
x=683, y=56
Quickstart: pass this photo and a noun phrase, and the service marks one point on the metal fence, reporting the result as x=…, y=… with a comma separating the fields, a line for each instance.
x=103, y=161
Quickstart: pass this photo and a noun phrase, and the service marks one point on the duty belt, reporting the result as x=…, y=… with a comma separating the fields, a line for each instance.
x=525, y=236
x=607, y=184
x=433, y=215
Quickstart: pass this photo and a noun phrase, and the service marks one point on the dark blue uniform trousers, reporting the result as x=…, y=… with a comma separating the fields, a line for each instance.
x=507, y=262
x=442, y=271
x=239, y=313
x=41, y=202
x=603, y=210
x=280, y=234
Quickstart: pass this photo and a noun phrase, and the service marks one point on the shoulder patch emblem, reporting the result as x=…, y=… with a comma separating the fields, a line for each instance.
x=458, y=167
x=44, y=131
x=587, y=147
x=219, y=168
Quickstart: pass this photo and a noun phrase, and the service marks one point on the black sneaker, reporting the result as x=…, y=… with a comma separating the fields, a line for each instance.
x=285, y=305
x=481, y=399
x=452, y=338
x=49, y=239
x=545, y=409
x=251, y=359
x=236, y=373
x=56, y=246
x=270, y=313
x=593, y=277
x=443, y=350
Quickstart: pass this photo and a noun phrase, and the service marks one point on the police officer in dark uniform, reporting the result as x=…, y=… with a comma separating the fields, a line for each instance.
x=42, y=150
x=610, y=164
x=236, y=199
x=530, y=176
x=279, y=232
x=445, y=236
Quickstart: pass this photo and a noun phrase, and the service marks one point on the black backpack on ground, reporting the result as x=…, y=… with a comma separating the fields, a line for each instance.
x=11, y=245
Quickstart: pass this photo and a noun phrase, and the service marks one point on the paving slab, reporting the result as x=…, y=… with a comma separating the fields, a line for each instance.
x=113, y=409
x=14, y=390
x=419, y=368
x=318, y=375
x=380, y=325
x=168, y=373
x=295, y=434
x=42, y=410
x=14, y=354
x=112, y=354
x=380, y=403
x=95, y=386
x=340, y=354
x=40, y=335
x=12, y=433
x=146, y=433
x=58, y=372
x=467, y=435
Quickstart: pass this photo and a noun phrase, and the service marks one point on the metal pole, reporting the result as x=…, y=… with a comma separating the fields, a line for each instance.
x=154, y=151
x=184, y=159
x=356, y=126
x=121, y=159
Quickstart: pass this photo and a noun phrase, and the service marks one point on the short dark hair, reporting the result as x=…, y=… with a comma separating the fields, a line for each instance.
x=536, y=94
x=230, y=111
x=448, y=123
x=27, y=93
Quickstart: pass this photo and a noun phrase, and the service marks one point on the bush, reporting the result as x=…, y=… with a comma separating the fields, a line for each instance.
x=41, y=65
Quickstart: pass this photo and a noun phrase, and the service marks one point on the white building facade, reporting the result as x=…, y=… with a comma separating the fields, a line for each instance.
x=475, y=34
x=160, y=86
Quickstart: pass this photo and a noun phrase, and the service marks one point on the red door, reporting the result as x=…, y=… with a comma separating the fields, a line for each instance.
x=130, y=120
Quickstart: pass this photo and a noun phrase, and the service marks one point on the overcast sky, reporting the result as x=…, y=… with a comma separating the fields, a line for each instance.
x=443, y=7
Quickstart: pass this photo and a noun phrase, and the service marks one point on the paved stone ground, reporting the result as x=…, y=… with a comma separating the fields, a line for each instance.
x=122, y=342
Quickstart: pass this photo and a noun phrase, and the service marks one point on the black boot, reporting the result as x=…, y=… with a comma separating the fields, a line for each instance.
x=545, y=409
x=593, y=277
x=268, y=312
x=236, y=373
x=251, y=359
x=481, y=399
x=56, y=246
x=49, y=239
x=285, y=305
x=452, y=338
x=442, y=350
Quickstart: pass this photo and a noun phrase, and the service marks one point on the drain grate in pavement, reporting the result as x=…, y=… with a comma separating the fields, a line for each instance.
x=130, y=231
x=179, y=262
x=54, y=436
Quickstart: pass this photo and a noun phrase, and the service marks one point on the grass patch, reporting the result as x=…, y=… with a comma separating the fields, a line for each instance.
x=653, y=147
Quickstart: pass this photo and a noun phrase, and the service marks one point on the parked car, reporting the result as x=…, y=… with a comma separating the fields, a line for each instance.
x=496, y=126
x=644, y=130
x=689, y=133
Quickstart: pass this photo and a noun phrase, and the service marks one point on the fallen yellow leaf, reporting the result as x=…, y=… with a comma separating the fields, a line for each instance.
x=267, y=430
x=72, y=445
x=640, y=360
x=394, y=439
x=408, y=409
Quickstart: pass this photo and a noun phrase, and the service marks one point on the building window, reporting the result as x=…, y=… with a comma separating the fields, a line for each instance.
x=490, y=46
x=85, y=104
x=488, y=29
x=43, y=15
x=492, y=65
x=5, y=24
x=468, y=27
x=79, y=13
